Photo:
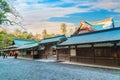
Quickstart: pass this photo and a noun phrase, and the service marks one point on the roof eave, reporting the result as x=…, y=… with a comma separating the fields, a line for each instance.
x=115, y=41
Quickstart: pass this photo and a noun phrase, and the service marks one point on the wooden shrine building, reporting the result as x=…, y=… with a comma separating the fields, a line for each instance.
x=98, y=47
x=47, y=47
x=25, y=48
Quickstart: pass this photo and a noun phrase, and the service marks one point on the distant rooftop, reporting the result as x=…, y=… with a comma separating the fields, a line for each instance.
x=84, y=27
x=21, y=42
x=53, y=39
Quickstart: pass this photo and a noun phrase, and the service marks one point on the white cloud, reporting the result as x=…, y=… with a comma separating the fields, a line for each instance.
x=107, y=5
x=38, y=27
x=47, y=13
x=51, y=27
x=36, y=15
x=117, y=10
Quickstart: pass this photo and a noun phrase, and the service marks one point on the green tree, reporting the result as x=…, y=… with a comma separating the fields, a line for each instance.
x=30, y=36
x=49, y=35
x=4, y=8
x=5, y=39
x=17, y=33
x=24, y=35
x=63, y=28
x=10, y=38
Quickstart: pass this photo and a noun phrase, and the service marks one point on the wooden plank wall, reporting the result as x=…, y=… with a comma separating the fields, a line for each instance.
x=63, y=54
x=98, y=55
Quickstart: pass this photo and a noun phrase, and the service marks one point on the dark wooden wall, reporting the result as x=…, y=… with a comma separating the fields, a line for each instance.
x=63, y=54
x=109, y=56
x=41, y=54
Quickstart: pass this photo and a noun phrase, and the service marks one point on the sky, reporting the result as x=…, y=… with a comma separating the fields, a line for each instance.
x=38, y=15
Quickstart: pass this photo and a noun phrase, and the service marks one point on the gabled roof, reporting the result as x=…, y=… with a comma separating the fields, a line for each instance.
x=84, y=28
x=53, y=39
x=94, y=37
x=21, y=42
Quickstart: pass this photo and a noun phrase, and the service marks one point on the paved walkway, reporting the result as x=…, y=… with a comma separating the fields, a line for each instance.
x=19, y=69
x=72, y=63
x=92, y=65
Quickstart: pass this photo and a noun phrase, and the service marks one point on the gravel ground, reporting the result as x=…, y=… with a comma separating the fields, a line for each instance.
x=17, y=69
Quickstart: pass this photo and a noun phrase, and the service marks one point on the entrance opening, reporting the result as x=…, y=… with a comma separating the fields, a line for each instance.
x=52, y=56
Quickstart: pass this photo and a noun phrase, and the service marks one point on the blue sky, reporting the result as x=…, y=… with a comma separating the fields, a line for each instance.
x=49, y=14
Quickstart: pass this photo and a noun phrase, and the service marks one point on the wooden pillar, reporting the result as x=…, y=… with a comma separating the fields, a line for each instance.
x=65, y=54
x=44, y=51
x=93, y=50
x=118, y=56
x=37, y=52
x=76, y=53
x=57, y=54
x=69, y=53
x=115, y=54
x=33, y=53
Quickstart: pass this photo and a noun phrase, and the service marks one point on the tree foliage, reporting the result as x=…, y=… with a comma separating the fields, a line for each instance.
x=44, y=33
x=5, y=39
x=4, y=8
x=37, y=36
x=63, y=28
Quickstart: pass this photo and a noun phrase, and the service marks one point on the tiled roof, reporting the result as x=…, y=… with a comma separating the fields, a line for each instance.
x=27, y=46
x=94, y=37
x=21, y=42
x=53, y=39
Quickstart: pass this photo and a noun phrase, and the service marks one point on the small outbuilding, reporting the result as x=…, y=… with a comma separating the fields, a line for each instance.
x=27, y=48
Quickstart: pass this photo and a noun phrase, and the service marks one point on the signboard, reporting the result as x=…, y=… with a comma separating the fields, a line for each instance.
x=73, y=52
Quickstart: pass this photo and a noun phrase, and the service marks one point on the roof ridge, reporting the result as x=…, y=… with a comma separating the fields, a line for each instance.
x=104, y=30
x=25, y=40
x=53, y=37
